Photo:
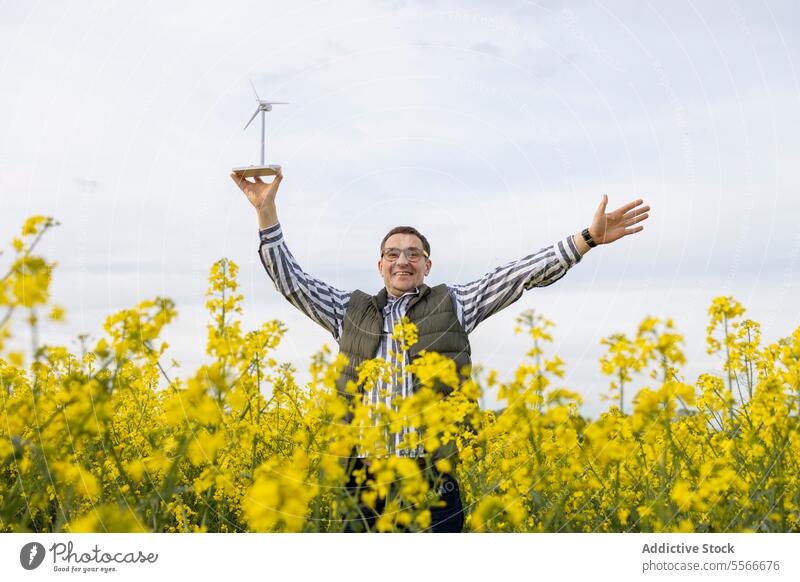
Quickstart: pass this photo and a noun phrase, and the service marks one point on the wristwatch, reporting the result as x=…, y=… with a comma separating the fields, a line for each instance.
x=588, y=238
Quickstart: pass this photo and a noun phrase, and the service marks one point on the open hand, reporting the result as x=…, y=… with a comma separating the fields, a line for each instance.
x=607, y=228
x=259, y=193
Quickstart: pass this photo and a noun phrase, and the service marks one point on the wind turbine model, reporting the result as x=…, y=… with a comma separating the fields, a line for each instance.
x=262, y=169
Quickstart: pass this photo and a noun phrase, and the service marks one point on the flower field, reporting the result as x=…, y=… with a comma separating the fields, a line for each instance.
x=108, y=439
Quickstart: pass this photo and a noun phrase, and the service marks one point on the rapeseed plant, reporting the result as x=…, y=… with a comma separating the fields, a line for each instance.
x=109, y=440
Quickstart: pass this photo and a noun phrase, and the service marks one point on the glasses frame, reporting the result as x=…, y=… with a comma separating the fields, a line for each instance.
x=404, y=252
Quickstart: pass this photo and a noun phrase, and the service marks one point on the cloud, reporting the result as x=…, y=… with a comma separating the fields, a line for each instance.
x=486, y=47
x=87, y=183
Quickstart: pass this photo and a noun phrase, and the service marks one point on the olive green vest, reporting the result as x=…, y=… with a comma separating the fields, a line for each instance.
x=438, y=331
x=431, y=311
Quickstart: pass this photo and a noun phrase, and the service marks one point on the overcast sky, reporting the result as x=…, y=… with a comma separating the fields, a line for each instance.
x=494, y=128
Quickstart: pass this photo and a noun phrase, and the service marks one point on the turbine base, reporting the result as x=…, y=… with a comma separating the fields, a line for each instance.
x=250, y=171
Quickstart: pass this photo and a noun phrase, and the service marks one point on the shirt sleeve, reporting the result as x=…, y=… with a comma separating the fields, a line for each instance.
x=321, y=302
x=501, y=287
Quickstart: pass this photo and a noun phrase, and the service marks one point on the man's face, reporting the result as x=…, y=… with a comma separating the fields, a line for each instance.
x=403, y=275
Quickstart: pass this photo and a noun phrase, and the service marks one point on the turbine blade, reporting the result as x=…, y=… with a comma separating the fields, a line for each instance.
x=252, y=118
x=254, y=90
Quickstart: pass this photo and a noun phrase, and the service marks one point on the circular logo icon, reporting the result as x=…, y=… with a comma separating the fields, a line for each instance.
x=31, y=555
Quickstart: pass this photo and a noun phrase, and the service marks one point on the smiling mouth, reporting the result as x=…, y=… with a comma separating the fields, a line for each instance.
x=402, y=274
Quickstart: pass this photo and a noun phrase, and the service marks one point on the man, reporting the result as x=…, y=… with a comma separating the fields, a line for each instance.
x=362, y=323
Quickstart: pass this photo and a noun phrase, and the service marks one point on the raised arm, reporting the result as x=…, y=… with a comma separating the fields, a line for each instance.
x=321, y=302
x=504, y=285
x=500, y=287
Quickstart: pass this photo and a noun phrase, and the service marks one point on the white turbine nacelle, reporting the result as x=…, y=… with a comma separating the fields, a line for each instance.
x=263, y=105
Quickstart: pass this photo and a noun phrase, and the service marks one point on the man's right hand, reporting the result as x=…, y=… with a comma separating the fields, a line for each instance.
x=260, y=194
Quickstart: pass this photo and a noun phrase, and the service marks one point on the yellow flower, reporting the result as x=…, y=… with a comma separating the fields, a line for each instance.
x=444, y=466
x=108, y=518
x=203, y=448
x=405, y=332
x=644, y=511
x=57, y=313
x=33, y=225
x=682, y=495
x=423, y=519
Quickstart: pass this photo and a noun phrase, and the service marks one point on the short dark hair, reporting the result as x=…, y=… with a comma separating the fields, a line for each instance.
x=408, y=230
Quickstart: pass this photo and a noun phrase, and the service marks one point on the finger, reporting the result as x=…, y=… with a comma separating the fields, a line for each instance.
x=239, y=179
x=258, y=179
x=633, y=230
x=636, y=212
x=603, y=203
x=636, y=219
x=629, y=206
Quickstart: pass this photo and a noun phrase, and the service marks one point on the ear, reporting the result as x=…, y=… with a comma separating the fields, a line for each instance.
x=428, y=266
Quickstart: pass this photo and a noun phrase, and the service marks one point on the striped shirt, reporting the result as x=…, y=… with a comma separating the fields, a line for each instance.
x=473, y=303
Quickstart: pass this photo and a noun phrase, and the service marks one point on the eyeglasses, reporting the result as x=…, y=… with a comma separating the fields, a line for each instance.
x=413, y=254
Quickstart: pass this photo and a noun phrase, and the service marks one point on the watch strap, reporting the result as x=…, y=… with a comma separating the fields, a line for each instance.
x=588, y=238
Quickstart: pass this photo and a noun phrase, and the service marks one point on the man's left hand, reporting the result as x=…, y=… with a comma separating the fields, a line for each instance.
x=606, y=228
